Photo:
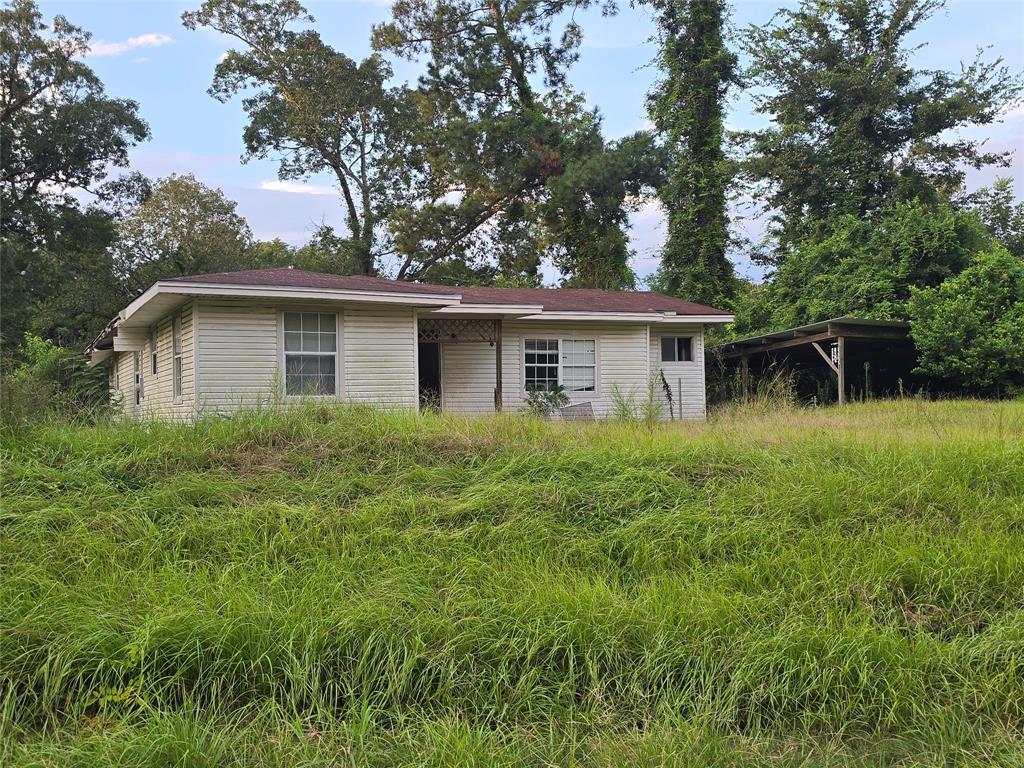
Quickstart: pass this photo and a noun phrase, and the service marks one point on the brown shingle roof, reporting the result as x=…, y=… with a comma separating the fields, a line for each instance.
x=551, y=299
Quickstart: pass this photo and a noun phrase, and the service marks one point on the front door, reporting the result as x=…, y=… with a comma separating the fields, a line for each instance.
x=430, y=375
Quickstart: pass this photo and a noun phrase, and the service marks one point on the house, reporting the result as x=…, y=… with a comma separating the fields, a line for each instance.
x=214, y=343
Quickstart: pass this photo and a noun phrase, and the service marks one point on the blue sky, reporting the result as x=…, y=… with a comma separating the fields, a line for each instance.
x=142, y=52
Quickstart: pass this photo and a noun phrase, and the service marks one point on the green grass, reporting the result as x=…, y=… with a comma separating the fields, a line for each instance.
x=345, y=587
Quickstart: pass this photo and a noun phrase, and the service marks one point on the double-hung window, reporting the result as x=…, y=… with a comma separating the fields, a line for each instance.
x=176, y=355
x=310, y=353
x=152, y=351
x=676, y=349
x=571, y=363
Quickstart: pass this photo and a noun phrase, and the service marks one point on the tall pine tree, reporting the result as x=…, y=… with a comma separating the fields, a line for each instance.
x=687, y=108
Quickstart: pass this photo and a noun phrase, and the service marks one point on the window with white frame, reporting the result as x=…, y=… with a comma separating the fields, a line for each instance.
x=571, y=363
x=310, y=353
x=176, y=357
x=676, y=349
x=152, y=350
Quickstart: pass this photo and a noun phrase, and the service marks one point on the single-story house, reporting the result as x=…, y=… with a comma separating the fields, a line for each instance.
x=214, y=343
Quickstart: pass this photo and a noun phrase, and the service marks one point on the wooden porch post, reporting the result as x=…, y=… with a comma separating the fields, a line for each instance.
x=841, y=347
x=497, y=365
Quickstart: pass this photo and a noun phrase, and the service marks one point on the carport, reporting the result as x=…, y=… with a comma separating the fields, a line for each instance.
x=856, y=351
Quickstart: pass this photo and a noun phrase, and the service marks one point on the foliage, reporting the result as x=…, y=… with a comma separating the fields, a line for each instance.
x=59, y=132
x=182, y=228
x=317, y=110
x=343, y=585
x=687, y=108
x=864, y=267
x=998, y=210
x=514, y=173
x=856, y=128
x=51, y=382
x=546, y=402
x=969, y=330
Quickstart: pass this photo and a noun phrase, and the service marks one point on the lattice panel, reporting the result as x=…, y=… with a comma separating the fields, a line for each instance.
x=457, y=331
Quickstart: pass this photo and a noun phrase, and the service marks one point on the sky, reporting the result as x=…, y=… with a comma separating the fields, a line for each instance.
x=141, y=51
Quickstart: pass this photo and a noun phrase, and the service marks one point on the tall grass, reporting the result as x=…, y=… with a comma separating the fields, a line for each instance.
x=343, y=586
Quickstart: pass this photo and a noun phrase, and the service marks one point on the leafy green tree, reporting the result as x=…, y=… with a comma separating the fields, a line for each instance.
x=866, y=267
x=855, y=126
x=325, y=252
x=318, y=111
x=968, y=330
x=182, y=228
x=513, y=158
x=59, y=132
x=687, y=108
x=1002, y=214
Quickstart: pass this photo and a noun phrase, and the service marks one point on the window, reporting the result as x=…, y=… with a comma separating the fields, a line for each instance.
x=676, y=349
x=137, y=360
x=541, y=364
x=310, y=353
x=176, y=358
x=569, y=362
x=152, y=351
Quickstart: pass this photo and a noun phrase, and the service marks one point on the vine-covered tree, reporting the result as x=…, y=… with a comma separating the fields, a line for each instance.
x=687, y=108
x=59, y=132
x=856, y=126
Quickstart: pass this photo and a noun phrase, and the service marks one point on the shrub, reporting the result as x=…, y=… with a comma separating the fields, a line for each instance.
x=51, y=381
x=546, y=402
x=968, y=330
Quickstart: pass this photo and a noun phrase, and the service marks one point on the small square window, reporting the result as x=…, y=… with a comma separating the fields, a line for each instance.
x=676, y=349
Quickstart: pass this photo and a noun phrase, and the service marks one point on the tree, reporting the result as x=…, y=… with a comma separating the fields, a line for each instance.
x=968, y=330
x=1003, y=215
x=182, y=228
x=317, y=110
x=511, y=170
x=856, y=127
x=59, y=132
x=687, y=108
x=866, y=267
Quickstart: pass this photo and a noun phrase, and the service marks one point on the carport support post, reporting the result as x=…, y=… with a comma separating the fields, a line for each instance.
x=745, y=376
x=841, y=348
x=497, y=365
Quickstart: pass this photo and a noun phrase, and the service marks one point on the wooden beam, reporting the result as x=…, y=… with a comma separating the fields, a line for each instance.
x=745, y=376
x=497, y=365
x=841, y=344
x=827, y=358
x=781, y=344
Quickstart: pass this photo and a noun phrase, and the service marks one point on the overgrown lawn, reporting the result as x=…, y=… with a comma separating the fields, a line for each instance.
x=347, y=587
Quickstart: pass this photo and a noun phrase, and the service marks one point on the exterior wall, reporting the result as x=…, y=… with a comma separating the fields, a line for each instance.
x=379, y=346
x=468, y=377
x=238, y=355
x=621, y=360
x=685, y=379
x=238, y=347
x=158, y=400
x=241, y=354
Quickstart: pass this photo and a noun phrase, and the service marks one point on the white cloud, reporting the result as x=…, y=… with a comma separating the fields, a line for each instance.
x=148, y=40
x=141, y=60
x=296, y=188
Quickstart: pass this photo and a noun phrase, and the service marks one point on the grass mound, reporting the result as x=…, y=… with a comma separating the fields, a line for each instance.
x=346, y=587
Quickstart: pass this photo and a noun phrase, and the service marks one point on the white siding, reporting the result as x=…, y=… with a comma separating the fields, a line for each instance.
x=238, y=355
x=621, y=360
x=468, y=378
x=380, y=356
x=157, y=400
x=685, y=379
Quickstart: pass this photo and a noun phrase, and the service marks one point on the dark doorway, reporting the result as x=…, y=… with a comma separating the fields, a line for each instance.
x=430, y=375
